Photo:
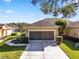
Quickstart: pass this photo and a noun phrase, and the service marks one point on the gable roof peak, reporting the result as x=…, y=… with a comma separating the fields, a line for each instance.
x=45, y=22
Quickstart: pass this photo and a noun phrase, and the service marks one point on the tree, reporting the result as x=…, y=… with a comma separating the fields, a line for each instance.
x=22, y=26
x=62, y=23
x=56, y=7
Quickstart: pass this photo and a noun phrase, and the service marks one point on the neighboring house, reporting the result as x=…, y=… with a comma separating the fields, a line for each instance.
x=6, y=29
x=72, y=29
x=42, y=30
x=1, y=25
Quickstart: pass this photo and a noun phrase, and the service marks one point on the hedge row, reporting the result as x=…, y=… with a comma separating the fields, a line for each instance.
x=71, y=38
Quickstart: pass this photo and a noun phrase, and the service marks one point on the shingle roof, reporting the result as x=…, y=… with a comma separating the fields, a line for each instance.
x=1, y=25
x=15, y=25
x=45, y=22
x=73, y=24
x=12, y=26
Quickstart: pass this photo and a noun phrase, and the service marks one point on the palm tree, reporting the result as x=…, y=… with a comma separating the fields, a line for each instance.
x=56, y=7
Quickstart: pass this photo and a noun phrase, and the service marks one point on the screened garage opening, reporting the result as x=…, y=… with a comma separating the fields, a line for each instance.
x=41, y=35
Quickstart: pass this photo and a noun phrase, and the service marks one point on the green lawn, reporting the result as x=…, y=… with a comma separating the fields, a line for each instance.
x=10, y=37
x=10, y=52
x=69, y=48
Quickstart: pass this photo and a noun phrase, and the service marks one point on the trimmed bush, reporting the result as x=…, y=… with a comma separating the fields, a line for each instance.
x=23, y=35
x=13, y=34
x=19, y=40
x=9, y=38
x=25, y=40
x=74, y=39
x=59, y=40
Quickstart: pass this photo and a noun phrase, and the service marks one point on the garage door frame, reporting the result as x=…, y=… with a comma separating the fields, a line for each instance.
x=41, y=30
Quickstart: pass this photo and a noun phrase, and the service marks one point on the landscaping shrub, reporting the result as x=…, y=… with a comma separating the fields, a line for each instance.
x=24, y=40
x=71, y=38
x=14, y=41
x=21, y=39
x=59, y=40
x=14, y=34
x=23, y=35
x=9, y=38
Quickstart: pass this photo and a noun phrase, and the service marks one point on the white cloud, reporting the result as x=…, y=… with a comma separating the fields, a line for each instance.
x=9, y=11
x=76, y=1
x=32, y=15
x=1, y=9
x=6, y=16
x=7, y=0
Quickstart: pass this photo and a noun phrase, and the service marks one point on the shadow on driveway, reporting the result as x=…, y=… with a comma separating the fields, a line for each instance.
x=41, y=45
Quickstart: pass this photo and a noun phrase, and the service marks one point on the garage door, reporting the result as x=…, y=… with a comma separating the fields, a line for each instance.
x=41, y=35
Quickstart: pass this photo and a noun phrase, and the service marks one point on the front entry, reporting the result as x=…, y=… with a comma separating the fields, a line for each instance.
x=41, y=35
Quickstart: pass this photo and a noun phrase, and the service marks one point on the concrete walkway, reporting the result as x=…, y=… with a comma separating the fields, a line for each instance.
x=43, y=50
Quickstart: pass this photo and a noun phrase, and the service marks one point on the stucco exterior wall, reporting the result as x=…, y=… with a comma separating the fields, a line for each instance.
x=74, y=32
x=0, y=33
x=6, y=31
x=10, y=31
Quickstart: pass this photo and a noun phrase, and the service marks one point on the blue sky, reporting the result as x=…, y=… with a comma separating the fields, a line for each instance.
x=23, y=11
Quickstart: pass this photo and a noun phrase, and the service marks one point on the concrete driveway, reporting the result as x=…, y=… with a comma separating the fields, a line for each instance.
x=43, y=49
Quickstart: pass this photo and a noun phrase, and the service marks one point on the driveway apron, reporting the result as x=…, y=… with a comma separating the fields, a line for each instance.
x=43, y=49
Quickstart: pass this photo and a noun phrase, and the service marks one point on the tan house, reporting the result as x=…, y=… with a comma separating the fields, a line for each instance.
x=1, y=25
x=73, y=29
x=42, y=30
x=6, y=29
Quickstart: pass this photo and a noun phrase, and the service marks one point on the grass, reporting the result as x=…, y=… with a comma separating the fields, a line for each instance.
x=10, y=52
x=69, y=48
x=10, y=37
